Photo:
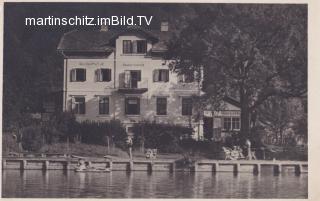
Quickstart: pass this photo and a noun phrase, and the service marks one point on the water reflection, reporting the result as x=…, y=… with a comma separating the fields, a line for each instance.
x=139, y=184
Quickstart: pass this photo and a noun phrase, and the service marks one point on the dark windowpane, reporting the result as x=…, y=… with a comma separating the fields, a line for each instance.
x=127, y=47
x=186, y=106
x=132, y=106
x=104, y=105
x=161, y=106
x=141, y=46
x=227, y=123
x=79, y=106
x=78, y=75
x=235, y=123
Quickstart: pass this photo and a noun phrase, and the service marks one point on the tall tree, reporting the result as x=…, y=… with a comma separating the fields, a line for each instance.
x=252, y=52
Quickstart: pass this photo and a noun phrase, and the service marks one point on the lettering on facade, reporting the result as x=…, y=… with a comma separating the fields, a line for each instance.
x=90, y=63
x=133, y=64
x=221, y=113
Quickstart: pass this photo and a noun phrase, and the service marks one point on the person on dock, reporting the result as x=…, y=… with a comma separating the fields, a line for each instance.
x=248, y=144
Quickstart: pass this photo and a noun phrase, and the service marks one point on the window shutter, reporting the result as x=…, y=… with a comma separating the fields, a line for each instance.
x=156, y=75
x=139, y=75
x=134, y=46
x=127, y=78
x=108, y=74
x=84, y=75
x=73, y=75
x=97, y=75
x=166, y=76
x=138, y=105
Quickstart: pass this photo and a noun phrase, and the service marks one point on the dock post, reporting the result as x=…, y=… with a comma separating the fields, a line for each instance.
x=298, y=169
x=237, y=169
x=67, y=165
x=23, y=165
x=46, y=165
x=150, y=166
x=216, y=167
x=195, y=166
x=110, y=165
x=130, y=165
x=4, y=163
x=257, y=169
x=277, y=169
x=173, y=167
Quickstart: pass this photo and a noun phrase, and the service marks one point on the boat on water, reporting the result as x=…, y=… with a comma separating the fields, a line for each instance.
x=92, y=169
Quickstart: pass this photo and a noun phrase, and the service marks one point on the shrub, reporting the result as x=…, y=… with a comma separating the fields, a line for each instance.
x=164, y=137
x=100, y=132
x=31, y=138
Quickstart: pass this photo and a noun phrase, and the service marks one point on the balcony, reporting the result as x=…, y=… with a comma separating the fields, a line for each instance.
x=131, y=85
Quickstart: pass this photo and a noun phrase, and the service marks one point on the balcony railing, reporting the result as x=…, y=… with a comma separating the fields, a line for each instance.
x=131, y=85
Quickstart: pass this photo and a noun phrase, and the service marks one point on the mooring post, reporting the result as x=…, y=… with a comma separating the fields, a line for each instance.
x=23, y=165
x=46, y=165
x=277, y=169
x=173, y=167
x=216, y=167
x=298, y=169
x=195, y=166
x=4, y=163
x=110, y=165
x=257, y=169
x=68, y=164
x=237, y=168
x=131, y=165
x=150, y=166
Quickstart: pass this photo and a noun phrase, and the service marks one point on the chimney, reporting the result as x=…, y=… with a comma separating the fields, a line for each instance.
x=104, y=27
x=164, y=26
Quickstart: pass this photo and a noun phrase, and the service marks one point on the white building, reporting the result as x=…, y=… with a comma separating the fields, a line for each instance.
x=112, y=74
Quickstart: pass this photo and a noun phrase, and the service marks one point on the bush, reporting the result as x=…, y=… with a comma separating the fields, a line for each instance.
x=31, y=138
x=164, y=137
x=100, y=132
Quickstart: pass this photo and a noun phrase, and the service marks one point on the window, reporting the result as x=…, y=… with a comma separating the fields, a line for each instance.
x=132, y=106
x=127, y=46
x=227, y=123
x=161, y=106
x=79, y=105
x=78, y=75
x=135, y=47
x=186, y=106
x=186, y=78
x=161, y=75
x=231, y=123
x=132, y=77
x=235, y=123
x=103, y=75
x=103, y=105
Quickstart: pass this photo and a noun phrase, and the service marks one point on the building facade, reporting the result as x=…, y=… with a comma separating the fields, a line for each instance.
x=121, y=74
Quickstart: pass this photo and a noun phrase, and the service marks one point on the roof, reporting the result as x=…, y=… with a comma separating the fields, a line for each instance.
x=232, y=101
x=104, y=40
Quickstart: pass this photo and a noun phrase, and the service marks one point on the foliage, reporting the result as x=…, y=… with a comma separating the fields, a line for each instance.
x=164, y=137
x=99, y=133
x=249, y=51
x=31, y=138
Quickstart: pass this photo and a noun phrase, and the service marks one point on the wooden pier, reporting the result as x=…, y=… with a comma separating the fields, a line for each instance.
x=237, y=166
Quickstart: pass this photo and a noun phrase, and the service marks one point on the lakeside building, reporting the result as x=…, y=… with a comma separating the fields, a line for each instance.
x=121, y=74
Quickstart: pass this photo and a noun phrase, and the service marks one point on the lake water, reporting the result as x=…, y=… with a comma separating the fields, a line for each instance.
x=117, y=184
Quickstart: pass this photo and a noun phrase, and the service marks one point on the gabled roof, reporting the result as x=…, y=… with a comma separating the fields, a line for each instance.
x=98, y=41
x=232, y=101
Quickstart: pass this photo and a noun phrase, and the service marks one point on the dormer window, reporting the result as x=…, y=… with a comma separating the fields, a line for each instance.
x=134, y=46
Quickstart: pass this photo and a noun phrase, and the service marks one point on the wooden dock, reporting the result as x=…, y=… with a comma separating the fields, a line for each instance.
x=237, y=166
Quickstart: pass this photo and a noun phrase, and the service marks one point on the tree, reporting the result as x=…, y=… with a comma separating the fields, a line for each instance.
x=276, y=117
x=252, y=52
